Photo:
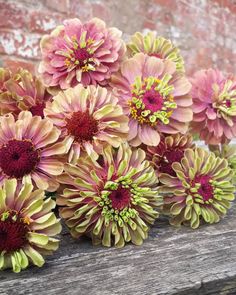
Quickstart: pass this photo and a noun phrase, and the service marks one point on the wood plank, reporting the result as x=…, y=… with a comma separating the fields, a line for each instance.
x=172, y=261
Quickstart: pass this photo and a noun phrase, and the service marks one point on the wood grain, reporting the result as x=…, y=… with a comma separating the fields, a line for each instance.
x=172, y=261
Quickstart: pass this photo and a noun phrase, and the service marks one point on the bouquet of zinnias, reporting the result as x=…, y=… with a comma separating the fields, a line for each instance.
x=105, y=129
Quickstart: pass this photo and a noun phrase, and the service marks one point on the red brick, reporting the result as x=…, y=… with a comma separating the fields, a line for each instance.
x=20, y=44
x=203, y=29
x=12, y=15
x=102, y=11
x=44, y=23
x=59, y=5
x=149, y=25
x=81, y=9
x=170, y=4
x=230, y=4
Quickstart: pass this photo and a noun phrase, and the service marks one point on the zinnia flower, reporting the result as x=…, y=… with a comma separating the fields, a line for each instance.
x=80, y=53
x=156, y=46
x=200, y=191
x=90, y=118
x=214, y=106
x=154, y=96
x=227, y=152
x=5, y=96
x=23, y=91
x=29, y=150
x=5, y=75
x=27, y=226
x=112, y=200
x=170, y=150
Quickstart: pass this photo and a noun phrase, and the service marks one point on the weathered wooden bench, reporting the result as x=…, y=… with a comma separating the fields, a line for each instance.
x=172, y=261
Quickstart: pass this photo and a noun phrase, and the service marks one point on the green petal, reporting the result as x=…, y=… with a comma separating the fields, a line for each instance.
x=15, y=260
x=194, y=220
x=35, y=256
x=34, y=208
x=10, y=188
x=24, y=193
x=24, y=259
x=106, y=240
x=176, y=209
x=39, y=239
x=136, y=238
x=188, y=212
x=1, y=261
x=205, y=214
x=126, y=233
x=219, y=207
x=2, y=199
x=98, y=226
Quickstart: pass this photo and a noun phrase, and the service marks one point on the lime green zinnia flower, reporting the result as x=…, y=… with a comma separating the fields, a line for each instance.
x=201, y=190
x=27, y=226
x=227, y=152
x=113, y=200
x=157, y=46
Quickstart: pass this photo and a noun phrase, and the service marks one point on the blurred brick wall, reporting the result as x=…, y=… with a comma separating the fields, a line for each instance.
x=203, y=29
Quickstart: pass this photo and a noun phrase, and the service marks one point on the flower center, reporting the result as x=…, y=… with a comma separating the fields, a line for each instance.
x=13, y=231
x=152, y=101
x=82, y=126
x=169, y=157
x=204, y=187
x=81, y=54
x=120, y=198
x=18, y=158
x=37, y=110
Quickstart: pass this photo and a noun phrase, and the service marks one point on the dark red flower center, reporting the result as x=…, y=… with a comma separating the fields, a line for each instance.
x=82, y=126
x=169, y=157
x=120, y=198
x=18, y=158
x=37, y=110
x=12, y=234
x=81, y=55
x=153, y=100
x=206, y=190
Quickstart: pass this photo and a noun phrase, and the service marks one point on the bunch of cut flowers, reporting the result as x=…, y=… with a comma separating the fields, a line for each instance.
x=104, y=133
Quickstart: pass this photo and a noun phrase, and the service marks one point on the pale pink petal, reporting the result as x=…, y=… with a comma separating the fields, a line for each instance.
x=148, y=135
x=132, y=68
x=211, y=114
x=133, y=129
x=153, y=67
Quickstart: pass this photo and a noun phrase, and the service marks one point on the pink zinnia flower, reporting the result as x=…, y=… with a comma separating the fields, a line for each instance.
x=154, y=96
x=170, y=150
x=214, y=106
x=90, y=118
x=23, y=91
x=29, y=150
x=80, y=53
